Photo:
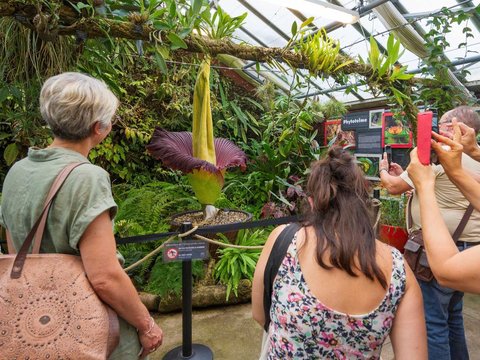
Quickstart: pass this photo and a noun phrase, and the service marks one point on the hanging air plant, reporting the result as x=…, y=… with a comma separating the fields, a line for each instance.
x=197, y=154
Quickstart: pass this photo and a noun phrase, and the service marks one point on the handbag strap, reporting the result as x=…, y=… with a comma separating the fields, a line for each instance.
x=409, y=213
x=458, y=231
x=39, y=226
x=274, y=261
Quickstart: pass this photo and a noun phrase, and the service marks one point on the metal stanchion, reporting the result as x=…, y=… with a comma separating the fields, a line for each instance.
x=188, y=350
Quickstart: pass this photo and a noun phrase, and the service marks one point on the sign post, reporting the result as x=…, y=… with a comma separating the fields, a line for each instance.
x=185, y=252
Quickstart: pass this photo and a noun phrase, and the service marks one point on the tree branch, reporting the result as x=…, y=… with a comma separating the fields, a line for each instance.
x=72, y=23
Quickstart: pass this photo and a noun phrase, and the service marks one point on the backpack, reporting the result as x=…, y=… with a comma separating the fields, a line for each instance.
x=276, y=257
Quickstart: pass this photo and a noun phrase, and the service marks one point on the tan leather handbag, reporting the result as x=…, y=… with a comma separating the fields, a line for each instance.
x=48, y=308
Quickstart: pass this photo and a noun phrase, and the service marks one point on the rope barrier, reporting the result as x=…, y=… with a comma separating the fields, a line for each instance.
x=195, y=230
x=185, y=234
x=211, y=229
x=229, y=245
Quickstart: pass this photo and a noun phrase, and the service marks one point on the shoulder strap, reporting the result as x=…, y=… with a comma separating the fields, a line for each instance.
x=458, y=231
x=40, y=223
x=277, y=254
x=409, y=213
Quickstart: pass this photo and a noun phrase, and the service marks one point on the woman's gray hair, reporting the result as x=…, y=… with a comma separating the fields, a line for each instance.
x=72, y=102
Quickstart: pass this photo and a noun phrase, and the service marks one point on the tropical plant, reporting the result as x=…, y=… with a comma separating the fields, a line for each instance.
x=166, y=278
x=146, y=210
x=321, y=52
x=392, y=211
x=235, y=264
x=198, y=154
x=386, y=67
x=445, y=95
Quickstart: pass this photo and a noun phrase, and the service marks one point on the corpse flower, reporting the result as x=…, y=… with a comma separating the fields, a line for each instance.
x=203, y=158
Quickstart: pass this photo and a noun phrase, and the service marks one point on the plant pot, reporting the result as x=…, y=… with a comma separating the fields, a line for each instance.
x=224, y=216
x=395, y=236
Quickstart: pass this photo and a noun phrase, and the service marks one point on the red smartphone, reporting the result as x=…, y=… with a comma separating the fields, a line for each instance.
x=424, y=134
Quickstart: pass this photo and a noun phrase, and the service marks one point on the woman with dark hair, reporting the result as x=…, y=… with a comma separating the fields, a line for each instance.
x=339, y=292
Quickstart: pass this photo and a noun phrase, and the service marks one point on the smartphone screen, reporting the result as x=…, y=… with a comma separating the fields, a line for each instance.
x=388, y=151
x=435, y=122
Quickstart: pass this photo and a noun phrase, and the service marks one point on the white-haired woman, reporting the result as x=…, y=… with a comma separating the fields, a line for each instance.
x=79, y=110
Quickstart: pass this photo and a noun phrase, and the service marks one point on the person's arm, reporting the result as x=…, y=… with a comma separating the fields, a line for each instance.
x=454, y=269
x=389, y=176
x=112, y=284
x=451, y=160
x=395, y=185
x=10, y=247
x=257, y=286
x=409, y=334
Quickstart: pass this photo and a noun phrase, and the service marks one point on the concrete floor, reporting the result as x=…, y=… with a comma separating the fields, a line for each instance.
x=231, y=333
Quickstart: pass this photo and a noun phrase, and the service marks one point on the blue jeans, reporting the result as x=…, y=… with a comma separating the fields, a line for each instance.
x=443, y=314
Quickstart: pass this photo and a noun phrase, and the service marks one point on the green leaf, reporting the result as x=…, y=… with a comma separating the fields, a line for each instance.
x=285, y=133
x=10, y=154
x=403, y=76
x=164, y=51
x=173, y=9
x=398, y=95
x=161, y=62
x=307, y=22
x=81, y=6
x=4, y=94
x=161, y=25
x=348, y=62
x=294, y=28
x=176, y=41
x=390, y=43
x=158, y=14
x=196, y=6
x=374, y=54
x=17, y=94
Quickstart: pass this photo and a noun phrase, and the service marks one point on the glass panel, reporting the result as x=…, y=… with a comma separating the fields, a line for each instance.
x=352, y=41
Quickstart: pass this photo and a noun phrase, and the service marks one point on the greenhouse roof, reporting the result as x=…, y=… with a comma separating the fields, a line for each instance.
x=270, y=25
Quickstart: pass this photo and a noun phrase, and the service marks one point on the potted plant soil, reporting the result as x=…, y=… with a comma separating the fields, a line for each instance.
x=392, y=222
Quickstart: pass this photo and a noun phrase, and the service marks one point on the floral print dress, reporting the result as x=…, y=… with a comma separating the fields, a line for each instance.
x=303, y=328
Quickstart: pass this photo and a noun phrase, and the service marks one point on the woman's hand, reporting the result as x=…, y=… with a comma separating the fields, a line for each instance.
x=384, y=162
x=395, y=169
x=421, y=175
x=468, y=139
x=150, y=339
x=449, y=151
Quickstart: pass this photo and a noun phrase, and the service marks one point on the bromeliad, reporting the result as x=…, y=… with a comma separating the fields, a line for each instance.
x=198, y=154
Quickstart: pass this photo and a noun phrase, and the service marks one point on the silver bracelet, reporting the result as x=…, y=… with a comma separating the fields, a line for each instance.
x=152, y=324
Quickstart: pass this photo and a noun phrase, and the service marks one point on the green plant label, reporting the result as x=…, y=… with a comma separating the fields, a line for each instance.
x=185, y=250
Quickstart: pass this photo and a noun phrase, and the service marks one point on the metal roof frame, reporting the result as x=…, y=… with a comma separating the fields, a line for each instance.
x=362, y=10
